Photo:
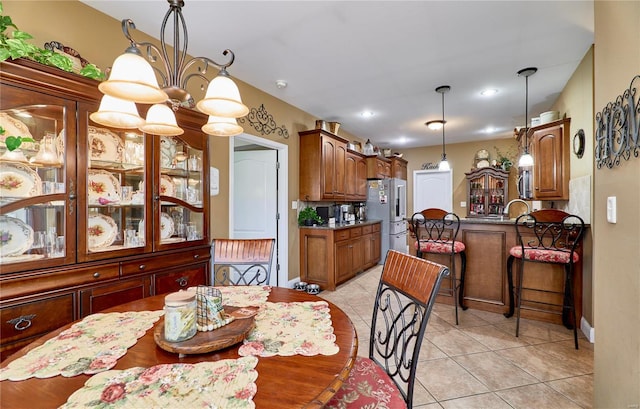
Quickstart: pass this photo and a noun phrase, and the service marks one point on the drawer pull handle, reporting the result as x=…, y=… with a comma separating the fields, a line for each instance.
x=22, y=322
x=182, y=281
x=196, y=256
x=96, y=275
x=142, y=267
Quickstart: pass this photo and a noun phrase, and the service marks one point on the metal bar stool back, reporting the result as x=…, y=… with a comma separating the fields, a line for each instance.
x=241, y=261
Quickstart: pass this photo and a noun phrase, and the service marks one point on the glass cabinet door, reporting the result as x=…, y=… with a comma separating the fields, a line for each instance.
x=37, y=180
x=180, y=190
x=476, y=196
x=115, y=188
x=495, y=195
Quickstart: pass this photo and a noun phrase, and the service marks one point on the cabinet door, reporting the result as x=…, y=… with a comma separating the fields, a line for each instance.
x=180, y=279
x=328, y=167
x=361, y=179
x=351, y=176
x=551, y=173
x=100, y=298
x=357, y=255
x=343, y=257
x=37, y=180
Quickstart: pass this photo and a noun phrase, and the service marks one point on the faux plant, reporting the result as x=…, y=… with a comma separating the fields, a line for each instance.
x=308, y=213
x=15, y=45
x=14, y=142
x=504, y=160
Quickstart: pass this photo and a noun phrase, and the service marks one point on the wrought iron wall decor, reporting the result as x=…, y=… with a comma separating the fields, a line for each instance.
x=617, y=128
x=264, y=123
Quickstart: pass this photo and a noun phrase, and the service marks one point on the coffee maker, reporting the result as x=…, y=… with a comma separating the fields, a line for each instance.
x=360, y=210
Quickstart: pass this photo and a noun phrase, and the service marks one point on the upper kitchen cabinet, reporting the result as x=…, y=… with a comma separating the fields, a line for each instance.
x=378, y=167
x=398, y=168
x=323, y=158
x=356, y=176
x=550, y=150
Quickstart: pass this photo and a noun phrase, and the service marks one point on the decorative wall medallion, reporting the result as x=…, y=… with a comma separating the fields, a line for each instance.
x=264, y=123
x=617, y=128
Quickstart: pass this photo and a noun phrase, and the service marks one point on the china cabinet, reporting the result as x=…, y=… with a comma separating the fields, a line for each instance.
x=90, y=216
x=487, y=192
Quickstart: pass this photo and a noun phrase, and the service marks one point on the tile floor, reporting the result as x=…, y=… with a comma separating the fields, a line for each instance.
x=480, y=363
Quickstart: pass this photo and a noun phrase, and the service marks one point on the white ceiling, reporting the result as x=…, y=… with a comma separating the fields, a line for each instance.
x=340, y=58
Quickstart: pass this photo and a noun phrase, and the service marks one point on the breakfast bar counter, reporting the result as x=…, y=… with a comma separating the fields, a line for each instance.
x=488, y=242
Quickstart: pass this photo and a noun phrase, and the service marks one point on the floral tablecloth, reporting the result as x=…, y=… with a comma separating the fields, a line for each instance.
x=228, y=383
x=90, y=346
x=242, y=295
x=294, y=328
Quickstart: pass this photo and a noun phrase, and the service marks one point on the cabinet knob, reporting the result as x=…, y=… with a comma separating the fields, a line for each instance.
x=96, y=275
x=182, y=281
x=22, y=322
x=196, y=256
x=142, y=267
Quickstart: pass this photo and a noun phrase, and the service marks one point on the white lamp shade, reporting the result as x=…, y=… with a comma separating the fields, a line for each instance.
x=223, y=99
x=132, y=79
x=161, y=121
x=526, y=160
x=117, y=113
x=444, y=165
x=220, y=126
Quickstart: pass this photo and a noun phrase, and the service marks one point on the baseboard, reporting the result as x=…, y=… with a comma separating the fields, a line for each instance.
x=588, y=330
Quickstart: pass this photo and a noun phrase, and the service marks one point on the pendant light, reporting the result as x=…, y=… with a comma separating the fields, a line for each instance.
x=133, y=78
x=439, y=124
x=526, y=160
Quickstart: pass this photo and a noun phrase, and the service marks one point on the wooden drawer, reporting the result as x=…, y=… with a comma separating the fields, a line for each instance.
x=98, y=298
x=356, y=232
x=367, y=229
x=341, y=235
x=52, y=280
x=376, y=227
x=35, y=318
x=164, y=262
x=180, y=279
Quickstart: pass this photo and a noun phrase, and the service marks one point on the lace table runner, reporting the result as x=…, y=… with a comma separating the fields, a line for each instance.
x=242, y=295
x=90, y=346
x=228, y=383
x=302, y=328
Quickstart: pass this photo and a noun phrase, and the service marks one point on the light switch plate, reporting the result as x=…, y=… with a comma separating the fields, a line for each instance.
x=611, y=209
x=463, y=204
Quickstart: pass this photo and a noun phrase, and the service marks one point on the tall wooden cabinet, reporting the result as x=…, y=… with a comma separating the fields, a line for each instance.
x=91, y=217
x=550, y=150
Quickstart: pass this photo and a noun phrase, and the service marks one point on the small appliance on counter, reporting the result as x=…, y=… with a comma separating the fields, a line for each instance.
x=360, y=210
x=323, y=212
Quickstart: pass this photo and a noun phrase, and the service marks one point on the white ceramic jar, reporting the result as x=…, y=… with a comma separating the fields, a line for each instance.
x=179, y=316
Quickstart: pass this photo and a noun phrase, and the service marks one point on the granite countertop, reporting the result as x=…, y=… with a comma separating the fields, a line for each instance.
x=340, y=226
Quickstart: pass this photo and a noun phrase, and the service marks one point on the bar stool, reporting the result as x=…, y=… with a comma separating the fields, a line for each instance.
x=436, y=232
x=546, y=236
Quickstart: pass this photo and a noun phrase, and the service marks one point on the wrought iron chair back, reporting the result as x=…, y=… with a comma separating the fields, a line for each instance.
x=404, y=300
x=435, y=225
x=241, y=261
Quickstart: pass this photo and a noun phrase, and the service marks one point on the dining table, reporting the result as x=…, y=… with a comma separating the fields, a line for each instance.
x=294, y=381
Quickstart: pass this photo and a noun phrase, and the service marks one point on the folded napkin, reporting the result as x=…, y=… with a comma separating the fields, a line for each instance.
x=90, y=346
x=294, y=328
x=228, y=383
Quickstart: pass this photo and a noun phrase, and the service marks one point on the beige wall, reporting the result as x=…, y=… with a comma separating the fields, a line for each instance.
x=616, y=246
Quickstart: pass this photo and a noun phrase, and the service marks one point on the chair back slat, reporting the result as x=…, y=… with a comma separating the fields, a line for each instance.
x=242, y=261
x=404, y=300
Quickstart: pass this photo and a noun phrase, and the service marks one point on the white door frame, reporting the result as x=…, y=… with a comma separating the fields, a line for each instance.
x=283, y=195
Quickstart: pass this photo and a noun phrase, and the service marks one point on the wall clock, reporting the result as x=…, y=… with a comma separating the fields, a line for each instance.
x=578, y=143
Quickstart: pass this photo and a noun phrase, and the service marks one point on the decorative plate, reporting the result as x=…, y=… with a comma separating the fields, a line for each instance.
x=166, y=226
x=482, y=154
x=103, y=187
x=167, y=187
x=15, y=127
x=105, y=145
x=101, y=231
x=18, y=180
x=482, y=164
x=16, y=236
x=167, y=151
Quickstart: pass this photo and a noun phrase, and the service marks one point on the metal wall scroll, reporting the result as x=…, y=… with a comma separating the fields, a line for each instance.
x=264, y=123
x=618, y=128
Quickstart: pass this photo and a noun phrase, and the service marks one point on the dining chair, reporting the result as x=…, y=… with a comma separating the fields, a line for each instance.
x=436, y=232
x=546, y=236
x=406, y=293
x=241, y=261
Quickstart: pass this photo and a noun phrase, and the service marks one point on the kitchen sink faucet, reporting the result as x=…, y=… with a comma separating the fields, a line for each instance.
x=506, y=208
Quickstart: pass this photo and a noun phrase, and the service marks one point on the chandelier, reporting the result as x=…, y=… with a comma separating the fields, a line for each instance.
x=439, y=124
x=133, y=79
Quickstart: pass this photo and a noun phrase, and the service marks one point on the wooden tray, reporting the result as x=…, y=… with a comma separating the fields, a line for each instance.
x=207, y=341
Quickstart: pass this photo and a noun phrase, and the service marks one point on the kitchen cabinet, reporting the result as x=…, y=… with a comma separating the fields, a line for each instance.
x=88, y=211
x=355, y=177
x=398, y=168
x=378, y=167
x=329, y=257
x=487, y=192
x=322, y=167
x=551, y=169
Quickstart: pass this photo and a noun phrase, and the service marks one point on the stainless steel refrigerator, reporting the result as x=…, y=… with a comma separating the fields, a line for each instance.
x=387, y=201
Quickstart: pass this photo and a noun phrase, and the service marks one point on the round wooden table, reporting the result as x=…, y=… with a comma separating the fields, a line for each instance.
x=283, y=381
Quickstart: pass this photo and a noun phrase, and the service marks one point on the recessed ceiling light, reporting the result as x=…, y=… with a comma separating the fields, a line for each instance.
x=366, y=114
x=489, y=92
x=281, y=84
x=489, y=129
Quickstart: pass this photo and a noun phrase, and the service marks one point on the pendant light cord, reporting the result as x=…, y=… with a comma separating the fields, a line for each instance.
x=444, y=154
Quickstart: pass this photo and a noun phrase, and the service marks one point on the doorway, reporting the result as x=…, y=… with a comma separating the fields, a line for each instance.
x=258, y=192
